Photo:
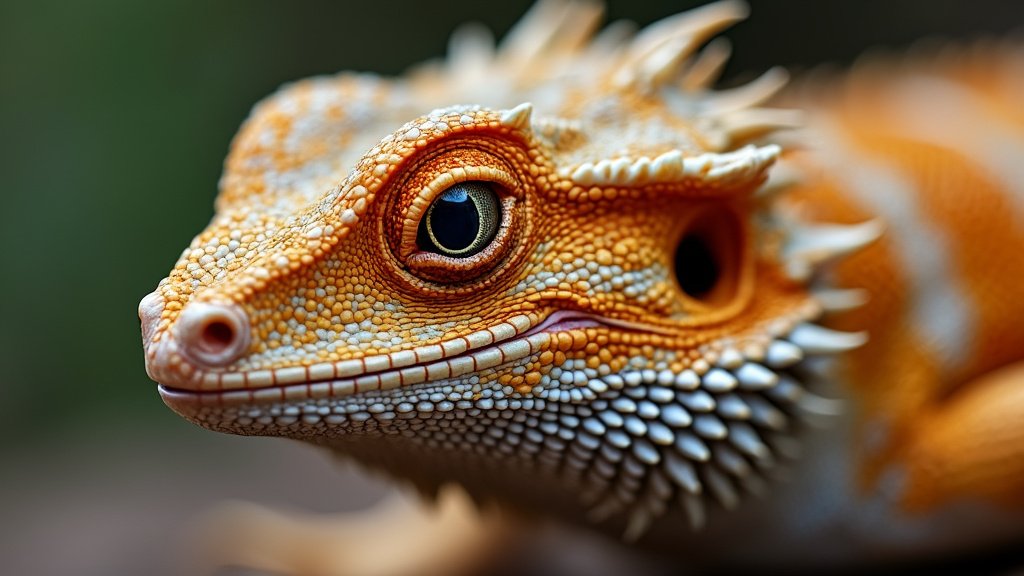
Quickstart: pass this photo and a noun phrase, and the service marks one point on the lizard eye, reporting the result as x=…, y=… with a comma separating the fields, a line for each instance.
x=462, y=221
x=458, y=214
x=465, y=231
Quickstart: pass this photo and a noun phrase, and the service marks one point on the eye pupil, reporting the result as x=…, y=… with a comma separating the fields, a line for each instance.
x=696, y=267
x=455, y=220
x=460, y=222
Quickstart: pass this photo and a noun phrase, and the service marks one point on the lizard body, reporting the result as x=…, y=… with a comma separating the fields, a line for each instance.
x=572, y=278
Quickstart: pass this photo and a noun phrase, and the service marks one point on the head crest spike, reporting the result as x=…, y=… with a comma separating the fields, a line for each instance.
x=707, y=66
x=518, y=117
x=753, y=93
x=550, y=26
x=725, y=171
x=750, y=123
x=658, y=51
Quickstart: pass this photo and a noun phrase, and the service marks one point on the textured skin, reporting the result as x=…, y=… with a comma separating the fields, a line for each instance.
x=949, y=134
x=564, y=369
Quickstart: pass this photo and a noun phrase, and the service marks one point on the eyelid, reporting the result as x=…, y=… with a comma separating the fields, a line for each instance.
x=417, y=209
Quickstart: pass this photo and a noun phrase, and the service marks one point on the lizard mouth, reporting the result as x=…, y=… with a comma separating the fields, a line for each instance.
x=515, y=339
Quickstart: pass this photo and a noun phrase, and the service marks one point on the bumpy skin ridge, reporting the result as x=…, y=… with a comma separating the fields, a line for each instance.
x=571, y=355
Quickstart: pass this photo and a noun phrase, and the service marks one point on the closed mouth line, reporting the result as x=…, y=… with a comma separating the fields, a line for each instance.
x=509, y=341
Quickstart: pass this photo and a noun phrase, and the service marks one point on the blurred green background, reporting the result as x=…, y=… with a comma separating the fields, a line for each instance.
x=115, y=117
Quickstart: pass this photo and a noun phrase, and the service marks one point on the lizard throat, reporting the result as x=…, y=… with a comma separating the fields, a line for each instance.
x=627, y=442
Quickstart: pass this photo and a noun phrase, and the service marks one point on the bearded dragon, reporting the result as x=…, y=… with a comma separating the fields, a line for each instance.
x=571, y=277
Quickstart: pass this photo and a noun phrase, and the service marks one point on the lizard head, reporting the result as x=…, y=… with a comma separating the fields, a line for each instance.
x=580, y=273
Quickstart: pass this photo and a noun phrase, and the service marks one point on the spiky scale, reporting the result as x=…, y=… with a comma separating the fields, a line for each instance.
x=576, y=346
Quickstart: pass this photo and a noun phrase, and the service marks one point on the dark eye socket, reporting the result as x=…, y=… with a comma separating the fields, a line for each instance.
x=696, y=267
x=461, y=221
x=708, y=259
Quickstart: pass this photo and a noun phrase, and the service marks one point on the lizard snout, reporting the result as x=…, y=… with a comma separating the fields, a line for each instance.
x=212, y=335
x=204, y=336
x=150, y=309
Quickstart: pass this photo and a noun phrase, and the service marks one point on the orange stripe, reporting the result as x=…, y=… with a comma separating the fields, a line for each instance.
x=896, y=378
x=985, y=244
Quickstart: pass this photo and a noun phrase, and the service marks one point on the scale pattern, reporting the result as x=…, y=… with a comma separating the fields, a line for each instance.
x=568, y=350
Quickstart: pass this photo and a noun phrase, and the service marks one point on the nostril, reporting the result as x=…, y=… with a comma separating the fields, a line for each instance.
x=218, y=336
x=214, y=335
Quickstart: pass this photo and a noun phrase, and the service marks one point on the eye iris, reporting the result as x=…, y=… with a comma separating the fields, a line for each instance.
x=462, y=221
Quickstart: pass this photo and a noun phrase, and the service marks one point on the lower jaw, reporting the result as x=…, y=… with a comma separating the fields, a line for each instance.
x=592, y=444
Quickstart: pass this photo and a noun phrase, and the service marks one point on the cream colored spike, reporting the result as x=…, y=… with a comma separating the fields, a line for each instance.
x=658, y=51
x=783, y=176
x=581, y=22
x=734, y=168
x=707, y=66
x=753, y=93
x=549, y=27
x=611, y=39
x=744, y=125
x=841, y=300
x=518, y=117
x=703, y=21
x=814, y=339
x=810, y=245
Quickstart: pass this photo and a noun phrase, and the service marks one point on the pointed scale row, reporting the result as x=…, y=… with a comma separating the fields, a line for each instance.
x=747, y=164
x=635, y=440
x=703, y=434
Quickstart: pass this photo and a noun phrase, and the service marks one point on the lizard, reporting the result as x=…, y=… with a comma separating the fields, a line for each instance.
x=573, y=278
